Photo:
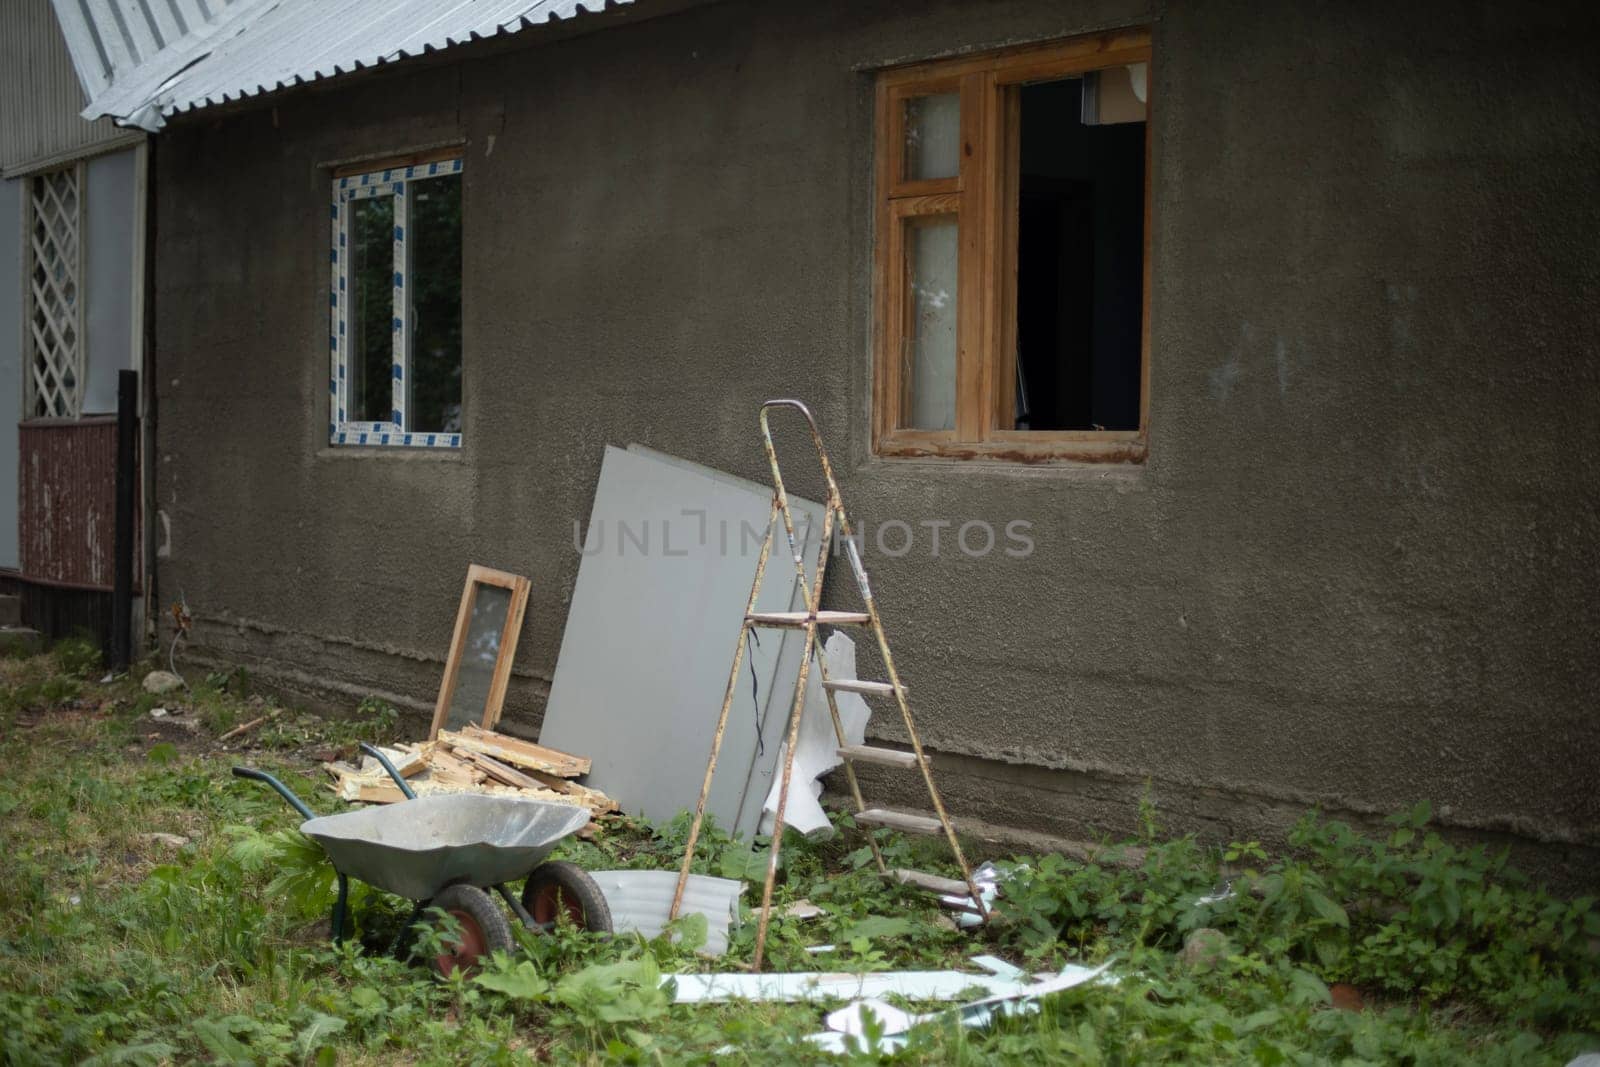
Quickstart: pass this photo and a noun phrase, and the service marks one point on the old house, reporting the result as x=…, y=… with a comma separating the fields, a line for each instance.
x=1261, y=339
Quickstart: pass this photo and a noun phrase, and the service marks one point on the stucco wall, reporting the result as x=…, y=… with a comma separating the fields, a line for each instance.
x=1358, y=568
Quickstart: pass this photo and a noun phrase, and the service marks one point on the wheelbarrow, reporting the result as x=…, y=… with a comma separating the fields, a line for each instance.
x=445, y=852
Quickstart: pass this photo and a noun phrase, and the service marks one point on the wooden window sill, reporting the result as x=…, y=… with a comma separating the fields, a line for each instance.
x=1031, y=449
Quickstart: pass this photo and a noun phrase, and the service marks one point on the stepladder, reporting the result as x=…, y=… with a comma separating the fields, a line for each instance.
x=836, y=536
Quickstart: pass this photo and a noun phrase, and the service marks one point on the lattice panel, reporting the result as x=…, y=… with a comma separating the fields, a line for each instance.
x=55, y=378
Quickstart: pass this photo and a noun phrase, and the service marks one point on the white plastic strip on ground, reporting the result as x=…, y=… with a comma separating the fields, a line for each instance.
x=850, y=1020
x=819, y=985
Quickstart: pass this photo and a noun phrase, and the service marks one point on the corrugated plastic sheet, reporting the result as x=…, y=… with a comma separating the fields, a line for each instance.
x=145, y=62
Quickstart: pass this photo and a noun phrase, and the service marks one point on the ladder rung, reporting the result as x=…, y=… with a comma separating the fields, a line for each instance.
x=889, y=757
x=799, y=619
x=933, y=883
x=852, y=685
x=899, y=820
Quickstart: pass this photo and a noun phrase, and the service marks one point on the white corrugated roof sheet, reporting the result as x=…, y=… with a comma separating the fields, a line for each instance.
x=142, y=61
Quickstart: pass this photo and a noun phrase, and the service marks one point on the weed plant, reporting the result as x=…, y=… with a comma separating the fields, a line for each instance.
x=121, y=948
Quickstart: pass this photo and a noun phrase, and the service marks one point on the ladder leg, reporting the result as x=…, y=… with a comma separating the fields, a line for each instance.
x=783, y=797
x=922, y=762
x=812, y=597
x=722, y=720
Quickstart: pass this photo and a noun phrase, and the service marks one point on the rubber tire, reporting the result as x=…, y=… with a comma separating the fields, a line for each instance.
x=484, y=927
x=569, y=885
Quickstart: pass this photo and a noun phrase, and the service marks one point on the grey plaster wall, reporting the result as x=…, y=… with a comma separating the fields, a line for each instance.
x=1357, y=570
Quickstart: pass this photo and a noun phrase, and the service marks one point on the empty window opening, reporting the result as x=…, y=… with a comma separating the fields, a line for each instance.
x=1080, y=253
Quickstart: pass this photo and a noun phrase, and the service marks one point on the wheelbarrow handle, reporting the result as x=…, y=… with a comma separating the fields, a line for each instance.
x=284, y=791
x=400, y=781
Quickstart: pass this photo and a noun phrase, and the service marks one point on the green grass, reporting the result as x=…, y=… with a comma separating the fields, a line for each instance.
x=116, y=948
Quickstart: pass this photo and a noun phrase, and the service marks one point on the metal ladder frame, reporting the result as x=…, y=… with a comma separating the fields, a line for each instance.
x=809, y=620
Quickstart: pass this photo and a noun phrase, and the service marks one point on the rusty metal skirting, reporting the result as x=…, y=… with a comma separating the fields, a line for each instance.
x=68, y=494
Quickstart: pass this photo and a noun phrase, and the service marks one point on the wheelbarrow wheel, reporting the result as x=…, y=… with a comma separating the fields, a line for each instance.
x=559, y=887
x=483, y=928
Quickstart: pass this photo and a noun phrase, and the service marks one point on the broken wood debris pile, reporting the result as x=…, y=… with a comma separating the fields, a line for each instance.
x=473, y=760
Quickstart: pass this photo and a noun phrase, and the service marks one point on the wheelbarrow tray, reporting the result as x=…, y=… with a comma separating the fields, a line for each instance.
x=417, y=848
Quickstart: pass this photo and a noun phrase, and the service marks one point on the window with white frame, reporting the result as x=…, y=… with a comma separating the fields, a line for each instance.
x=395, y=331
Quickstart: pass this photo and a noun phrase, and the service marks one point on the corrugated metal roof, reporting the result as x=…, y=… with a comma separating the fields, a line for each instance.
x=142, y=61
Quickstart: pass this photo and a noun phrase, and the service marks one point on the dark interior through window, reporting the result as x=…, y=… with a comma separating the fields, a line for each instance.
x=1080, y=264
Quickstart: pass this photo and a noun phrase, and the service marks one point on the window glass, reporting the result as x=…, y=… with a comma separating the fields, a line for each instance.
x=434, y=248
x=475, y=677
x=371, y=322
x=933, y=137
x=931, y=254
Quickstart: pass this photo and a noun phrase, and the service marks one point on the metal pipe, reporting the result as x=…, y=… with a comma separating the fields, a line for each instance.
x=284, y=791
x=399, y=780
x=120, y=639
x=519, y=911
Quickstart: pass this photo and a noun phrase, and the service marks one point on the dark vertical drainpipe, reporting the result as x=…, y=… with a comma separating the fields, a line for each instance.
x=147, y=571
x=127, y=484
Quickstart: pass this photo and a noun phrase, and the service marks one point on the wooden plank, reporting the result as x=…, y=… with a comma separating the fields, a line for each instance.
x=1004, y=381
x=517, y=752
x=540, y=782
x=933, y=883
x=378, y=793
x=572, y=766
x=798, y=619
x=414, y=760
x=885, y=289
x=856, y=685
x=362, y=793
x=245, y=728
x=446, y=766
x=899, y=820
x=452, y=660
x=409, y=763
x=971, y=283
x=593, y=799
x=499, y=771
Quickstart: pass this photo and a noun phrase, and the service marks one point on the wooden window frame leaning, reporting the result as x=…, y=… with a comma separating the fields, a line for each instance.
x=391, y=177
x=983, y=197
x=518, y=587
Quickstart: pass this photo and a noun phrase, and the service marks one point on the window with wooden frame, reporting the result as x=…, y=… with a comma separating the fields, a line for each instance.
x=477, y=669
x=1012, y=264
x=395, y=305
